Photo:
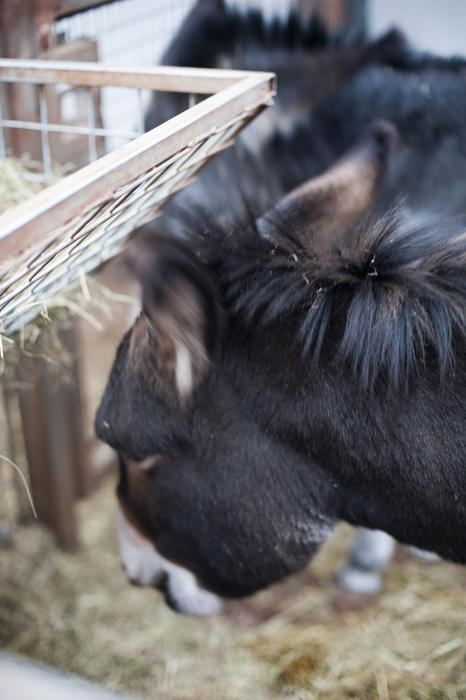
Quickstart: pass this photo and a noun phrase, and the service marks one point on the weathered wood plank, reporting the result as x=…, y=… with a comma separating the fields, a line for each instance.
x=204, y=81
x=49, y=446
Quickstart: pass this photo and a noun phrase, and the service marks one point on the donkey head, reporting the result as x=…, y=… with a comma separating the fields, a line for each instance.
x=211, y=504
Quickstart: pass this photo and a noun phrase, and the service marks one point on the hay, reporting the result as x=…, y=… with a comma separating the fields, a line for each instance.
x=21, y=178
x=19, y=471
x=80, y=614
x=14, y=185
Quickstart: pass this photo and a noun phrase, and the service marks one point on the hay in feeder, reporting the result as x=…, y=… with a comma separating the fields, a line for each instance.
x=21, y=178
x=84, y=298
x=15, y=186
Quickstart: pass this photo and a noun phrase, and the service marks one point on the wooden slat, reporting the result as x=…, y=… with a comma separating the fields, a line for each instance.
x=74, y=415
x=203, y=81
x=48, y=447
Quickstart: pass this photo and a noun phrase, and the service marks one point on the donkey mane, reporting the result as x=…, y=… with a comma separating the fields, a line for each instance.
x=390, y=295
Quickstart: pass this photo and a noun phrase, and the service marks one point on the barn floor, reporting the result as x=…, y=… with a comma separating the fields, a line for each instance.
x=79, y=614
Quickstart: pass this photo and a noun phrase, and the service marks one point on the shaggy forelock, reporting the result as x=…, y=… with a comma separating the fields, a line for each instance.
x=397, y=289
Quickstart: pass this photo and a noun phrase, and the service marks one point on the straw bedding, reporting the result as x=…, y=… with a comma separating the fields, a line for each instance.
x=78, y=613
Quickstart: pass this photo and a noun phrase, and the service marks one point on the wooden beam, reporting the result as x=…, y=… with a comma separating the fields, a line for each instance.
x=201, y=81
x=49, y=445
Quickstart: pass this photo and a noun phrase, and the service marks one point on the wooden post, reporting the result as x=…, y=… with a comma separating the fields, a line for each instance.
x=50, y=445
x=20, y=38
x=14, y=451
x=74, y=415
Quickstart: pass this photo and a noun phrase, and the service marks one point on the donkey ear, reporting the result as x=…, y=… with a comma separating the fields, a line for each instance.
x=175, y=337
x=347, y=191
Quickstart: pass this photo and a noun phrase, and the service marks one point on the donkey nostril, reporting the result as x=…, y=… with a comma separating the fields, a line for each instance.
x=161, y=583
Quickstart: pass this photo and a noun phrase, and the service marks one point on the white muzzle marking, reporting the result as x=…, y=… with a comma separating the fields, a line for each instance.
x=145, y=566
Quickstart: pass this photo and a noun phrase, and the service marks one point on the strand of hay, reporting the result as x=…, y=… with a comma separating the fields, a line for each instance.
x=19, y=471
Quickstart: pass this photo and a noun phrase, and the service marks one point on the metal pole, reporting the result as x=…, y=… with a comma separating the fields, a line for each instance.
x=44, y=133
x=92, y=125
x=141, y=112
x=2, y=130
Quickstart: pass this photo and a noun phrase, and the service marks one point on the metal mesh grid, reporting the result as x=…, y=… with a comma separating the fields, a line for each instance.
x=70, y=228
x=111, y=134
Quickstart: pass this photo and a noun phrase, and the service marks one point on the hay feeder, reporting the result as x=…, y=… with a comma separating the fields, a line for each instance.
x=70, y=228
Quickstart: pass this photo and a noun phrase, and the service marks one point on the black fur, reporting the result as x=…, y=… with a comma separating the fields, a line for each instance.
x=399, y=289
